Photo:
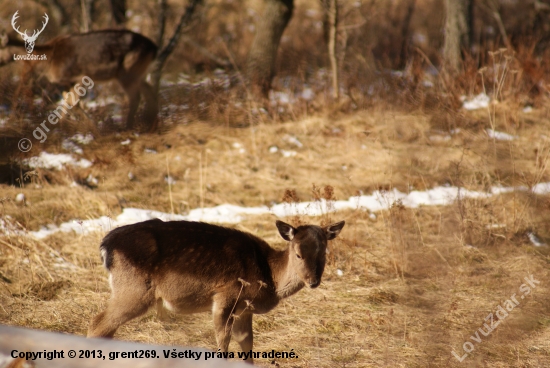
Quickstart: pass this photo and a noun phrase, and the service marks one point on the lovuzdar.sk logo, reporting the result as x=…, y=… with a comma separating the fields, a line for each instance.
x=29, y=40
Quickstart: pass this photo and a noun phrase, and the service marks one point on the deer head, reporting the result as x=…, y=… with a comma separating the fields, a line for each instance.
x=29, y=40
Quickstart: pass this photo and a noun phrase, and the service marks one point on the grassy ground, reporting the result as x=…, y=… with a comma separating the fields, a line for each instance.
x=415, y=283
x=403, y=287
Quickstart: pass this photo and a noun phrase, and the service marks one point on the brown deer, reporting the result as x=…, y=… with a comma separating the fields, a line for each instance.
x=191, y=267
x=101, y=55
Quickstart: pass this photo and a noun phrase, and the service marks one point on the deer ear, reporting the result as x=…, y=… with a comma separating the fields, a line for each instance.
x=286, y=231
x=333, y=230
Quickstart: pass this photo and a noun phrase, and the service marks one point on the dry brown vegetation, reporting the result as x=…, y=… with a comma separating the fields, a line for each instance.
x=403, y=287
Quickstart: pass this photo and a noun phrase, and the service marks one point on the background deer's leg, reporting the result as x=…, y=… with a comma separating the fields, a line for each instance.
x=23, y=92
x=132, y=90
x=151, y=105
x=242, y=333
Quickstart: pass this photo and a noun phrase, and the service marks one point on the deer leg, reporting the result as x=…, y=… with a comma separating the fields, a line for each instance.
x=151, y=105
x=162, y=313
x=130, y=299
x=223, y=323
x=242, y=333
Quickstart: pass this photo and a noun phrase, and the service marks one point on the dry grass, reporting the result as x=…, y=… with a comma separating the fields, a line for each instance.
x=402, y=288
x=416, y=282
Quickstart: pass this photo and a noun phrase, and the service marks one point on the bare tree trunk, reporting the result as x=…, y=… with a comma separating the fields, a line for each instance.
x=118, y=11
x=333, y=25
x=161, y=22
x=263, y=53
x=405, y=39
x=163, y=55
x=86, y=6
x=456, y=33
x=472, y=36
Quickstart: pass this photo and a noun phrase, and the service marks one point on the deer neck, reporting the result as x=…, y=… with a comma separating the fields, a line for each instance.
x=286, y=280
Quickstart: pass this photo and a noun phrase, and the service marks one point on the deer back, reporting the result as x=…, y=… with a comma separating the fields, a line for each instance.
x=215, y=255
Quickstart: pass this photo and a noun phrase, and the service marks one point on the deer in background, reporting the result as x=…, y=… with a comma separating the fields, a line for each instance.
x=191, y=267
x=101, y=55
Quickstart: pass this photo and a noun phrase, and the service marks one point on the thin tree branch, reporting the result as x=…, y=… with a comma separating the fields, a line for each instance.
x=184, y=21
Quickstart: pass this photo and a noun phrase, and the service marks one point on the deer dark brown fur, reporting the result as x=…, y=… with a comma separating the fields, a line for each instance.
x=193, y=267
x=102, y=55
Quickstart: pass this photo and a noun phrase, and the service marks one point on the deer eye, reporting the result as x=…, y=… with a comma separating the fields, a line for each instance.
x=298, y=256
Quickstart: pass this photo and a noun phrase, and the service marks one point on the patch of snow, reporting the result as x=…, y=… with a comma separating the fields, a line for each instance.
x=273, y=149
x=205, y=82
x=537, y=242
x=480, y=101
x=280, y=98
x=82, y=139
x=239, y=147
x=101, y=102
x=500, y=136
x=68, y=145
x=293, y=140
x=126, y=142
x=440, y=138
x=9, y=227
x=286, y=153
x=117, y=118
x=527, y=109
x=55, y=161
x=92, y=105
x=541, y=188
x=150, y=151
x=91, y=180
x=397, y=73
x=170, y=180
x=307, y=94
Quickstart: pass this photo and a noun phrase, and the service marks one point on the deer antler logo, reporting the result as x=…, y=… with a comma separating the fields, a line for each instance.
x=29, y=40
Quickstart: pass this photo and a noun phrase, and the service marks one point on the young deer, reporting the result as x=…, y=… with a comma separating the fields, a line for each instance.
x=193, y=267
x=101, y=55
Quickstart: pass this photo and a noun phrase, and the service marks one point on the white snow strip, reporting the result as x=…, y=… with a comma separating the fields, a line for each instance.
x=55, y=161
x=231, y=214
